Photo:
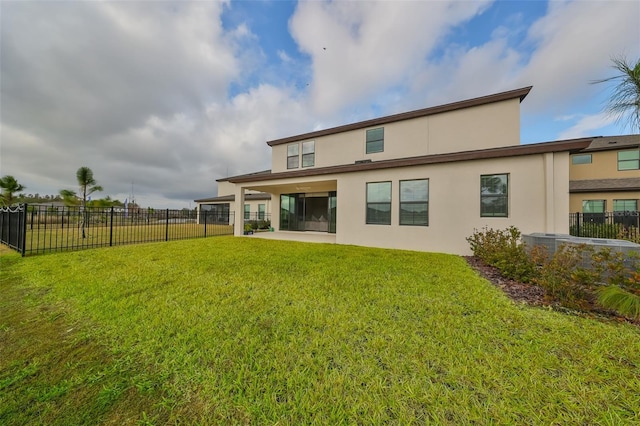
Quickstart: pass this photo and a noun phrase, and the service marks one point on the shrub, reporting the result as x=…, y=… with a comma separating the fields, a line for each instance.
x=565, y=280
x=504, y=250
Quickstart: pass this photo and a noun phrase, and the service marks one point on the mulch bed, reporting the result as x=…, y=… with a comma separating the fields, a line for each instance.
x=534, y=295
x=517, y=291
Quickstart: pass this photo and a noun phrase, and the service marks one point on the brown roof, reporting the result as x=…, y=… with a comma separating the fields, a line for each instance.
x=503, y=96
x=248, y=174
x=572, y=145
x=232, y=197
x=600, y=185
x=606, y=143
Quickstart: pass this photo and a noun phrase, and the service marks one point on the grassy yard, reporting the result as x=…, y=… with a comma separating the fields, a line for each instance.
x=250, y=331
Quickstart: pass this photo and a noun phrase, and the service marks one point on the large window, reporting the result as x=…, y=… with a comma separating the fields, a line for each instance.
x=375, y=140
x=247, y=212
x=414, y=202
x=379, y=203
x=494, y=195
x=629, y=160
x=593, y=206
x=308, y=154
x=581, y=159
x=261, y=210
x=625, y=205
x=293, y=157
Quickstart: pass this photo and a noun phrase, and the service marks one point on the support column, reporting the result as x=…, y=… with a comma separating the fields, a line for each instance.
x=549, y=193
x=238, y=228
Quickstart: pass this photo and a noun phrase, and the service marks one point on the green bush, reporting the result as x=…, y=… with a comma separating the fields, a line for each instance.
x=504, y=250
x=576, y=276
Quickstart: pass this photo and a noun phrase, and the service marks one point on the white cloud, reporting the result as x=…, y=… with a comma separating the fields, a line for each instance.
x=586, y=125
x=361, y=48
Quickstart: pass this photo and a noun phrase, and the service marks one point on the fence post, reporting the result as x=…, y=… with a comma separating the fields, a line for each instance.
x=577, y=224
x=205, y=223
x=166, y=232
x=111, y=229
x=23, y=237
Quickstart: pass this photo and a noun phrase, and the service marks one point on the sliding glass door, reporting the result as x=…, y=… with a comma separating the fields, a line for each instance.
x=308, y=212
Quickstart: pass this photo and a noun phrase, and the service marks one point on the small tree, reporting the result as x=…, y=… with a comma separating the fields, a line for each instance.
x=88, y=186
x=624, y=103
x=9, y=186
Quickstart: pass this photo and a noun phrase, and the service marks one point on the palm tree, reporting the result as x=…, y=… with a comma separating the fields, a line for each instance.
x=624, y=103
x=9, y=186
x=88, y=186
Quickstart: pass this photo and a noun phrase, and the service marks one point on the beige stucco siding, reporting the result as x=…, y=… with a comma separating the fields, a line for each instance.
x=454, y=204
x=604, y=165
x=575, y=204
x=486, y=126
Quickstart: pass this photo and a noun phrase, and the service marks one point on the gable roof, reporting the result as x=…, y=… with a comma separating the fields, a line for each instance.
x=606, y=143
x=571, y=145
x=604, y=185
x=483, y=100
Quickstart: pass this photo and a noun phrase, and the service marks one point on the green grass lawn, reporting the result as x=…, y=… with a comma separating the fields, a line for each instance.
x=250, y=331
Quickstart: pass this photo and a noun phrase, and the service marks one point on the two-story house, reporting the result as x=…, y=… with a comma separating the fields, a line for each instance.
x=420, y=180
x=605, y=176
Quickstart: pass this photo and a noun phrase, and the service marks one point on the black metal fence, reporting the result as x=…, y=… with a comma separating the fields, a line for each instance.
x=618, y=225
x=12, y=227
x=34, y=229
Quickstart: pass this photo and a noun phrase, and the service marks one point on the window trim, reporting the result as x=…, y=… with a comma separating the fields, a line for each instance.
x=505, y=196
x=371, y=142
x=296, y=156
x=578, y=156
x=367, y=219
x=311, y=154
x=604, y=205
x=401, y=203
x=636, y=160
x=625, y=200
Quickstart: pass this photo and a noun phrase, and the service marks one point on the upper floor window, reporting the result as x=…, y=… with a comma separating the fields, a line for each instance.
x=494, y=195
x=414, y=202
x=593, y=206
x=293, y=156
x=308, y=154
x=581, y=159
x=379, y=203
x=629, y=160
x=375, y=140
x=625, y=205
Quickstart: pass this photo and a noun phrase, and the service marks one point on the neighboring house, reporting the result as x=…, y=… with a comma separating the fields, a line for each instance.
x=421, y=180
x=221, y=209
x=605, y=177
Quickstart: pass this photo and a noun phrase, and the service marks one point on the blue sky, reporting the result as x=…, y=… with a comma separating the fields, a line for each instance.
x=173, y=95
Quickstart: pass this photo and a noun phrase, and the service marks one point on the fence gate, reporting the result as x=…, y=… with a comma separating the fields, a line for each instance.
x=13, y=226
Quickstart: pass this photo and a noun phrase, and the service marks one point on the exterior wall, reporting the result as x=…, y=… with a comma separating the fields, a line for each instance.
x=454, y=203
x=481, y=127
x=604, y=165
x=575, y=203
x=538, y=201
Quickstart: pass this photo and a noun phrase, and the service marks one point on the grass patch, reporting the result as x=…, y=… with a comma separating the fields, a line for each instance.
x=239, y=330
